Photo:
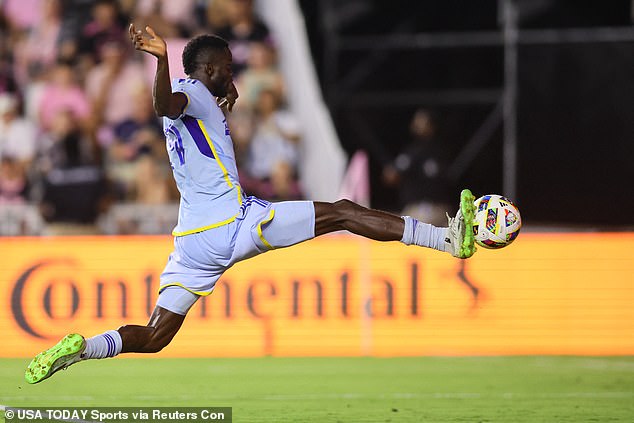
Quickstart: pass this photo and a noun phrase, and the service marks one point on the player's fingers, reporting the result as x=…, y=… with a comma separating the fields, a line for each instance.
x=135, y=36
x=150, y=31
x=139, y=45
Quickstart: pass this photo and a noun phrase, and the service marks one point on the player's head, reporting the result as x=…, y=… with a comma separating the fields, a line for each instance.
x=208, y=58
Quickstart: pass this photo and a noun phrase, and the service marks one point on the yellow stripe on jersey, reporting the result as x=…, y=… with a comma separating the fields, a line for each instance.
x=264, y=241
x=222, y=166
x=201, y=293
x=213, y=149
x=204, y=228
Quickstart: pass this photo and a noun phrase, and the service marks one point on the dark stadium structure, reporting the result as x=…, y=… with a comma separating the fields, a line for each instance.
x=380, y=61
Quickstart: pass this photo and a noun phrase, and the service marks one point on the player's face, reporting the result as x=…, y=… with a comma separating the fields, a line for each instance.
x=222, y=76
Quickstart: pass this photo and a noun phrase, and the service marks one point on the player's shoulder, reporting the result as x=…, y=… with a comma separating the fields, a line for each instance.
x=186, y=83
x=189, y=86
x=191, y=81
x=193, y=88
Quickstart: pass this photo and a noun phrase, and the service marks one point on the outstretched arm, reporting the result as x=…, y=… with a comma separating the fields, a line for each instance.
x=165, y=102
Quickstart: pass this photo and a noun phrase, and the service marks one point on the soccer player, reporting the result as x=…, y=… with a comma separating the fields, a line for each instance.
x=218, y=225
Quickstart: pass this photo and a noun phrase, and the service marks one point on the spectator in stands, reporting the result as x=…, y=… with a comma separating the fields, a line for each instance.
x=151, y=181
x=39, y=50
x=13, y=181
x=22, y=14
x=61, y=92
x=7, y=80
x=214, y=16
x=66, y=144
x=17, y=150
x=260, y=74
x=76, y=77
x=110, y=84
x=107, y=24
x=168, y=17
x=76, y=14
x=17, y=134
x=243, y=29
x=74, y=186
x=140, y=134
x=420, y=172
x=274, y=153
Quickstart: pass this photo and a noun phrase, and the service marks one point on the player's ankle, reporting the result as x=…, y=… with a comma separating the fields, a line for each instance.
x=424, y=234
x=107, y=344
x=408, y=231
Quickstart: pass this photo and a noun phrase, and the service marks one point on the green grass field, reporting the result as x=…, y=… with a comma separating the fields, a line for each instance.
x=473, y=389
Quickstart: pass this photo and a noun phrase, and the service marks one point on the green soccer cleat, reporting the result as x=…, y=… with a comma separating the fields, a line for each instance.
x=66, y=352
x=460, y=233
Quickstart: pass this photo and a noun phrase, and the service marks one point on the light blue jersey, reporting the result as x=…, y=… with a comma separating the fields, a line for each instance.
x=203, y=161
x=223, y=227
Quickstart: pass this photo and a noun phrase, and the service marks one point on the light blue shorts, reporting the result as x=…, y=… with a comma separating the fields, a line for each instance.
x=199, y=259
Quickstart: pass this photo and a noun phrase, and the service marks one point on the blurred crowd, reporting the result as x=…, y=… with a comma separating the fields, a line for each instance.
x=81, y=150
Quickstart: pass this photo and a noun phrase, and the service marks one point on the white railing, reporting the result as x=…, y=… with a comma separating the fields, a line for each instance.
x=323, y=160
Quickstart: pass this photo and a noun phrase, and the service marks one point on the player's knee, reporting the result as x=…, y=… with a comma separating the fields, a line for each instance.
x=344, y=207
x=344, y=211
x=343, y=204
x=332, y=215
x=335, y=216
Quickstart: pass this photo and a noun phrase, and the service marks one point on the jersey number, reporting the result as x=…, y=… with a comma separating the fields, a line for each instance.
x=175, y=143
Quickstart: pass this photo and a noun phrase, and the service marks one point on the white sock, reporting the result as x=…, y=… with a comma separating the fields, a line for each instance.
x=424, y=234
x=108, y=344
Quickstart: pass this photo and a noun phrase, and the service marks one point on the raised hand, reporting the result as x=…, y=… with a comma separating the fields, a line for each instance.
x=153, y=44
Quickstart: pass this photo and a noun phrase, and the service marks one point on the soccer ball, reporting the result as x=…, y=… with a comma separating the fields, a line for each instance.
x=497, y=221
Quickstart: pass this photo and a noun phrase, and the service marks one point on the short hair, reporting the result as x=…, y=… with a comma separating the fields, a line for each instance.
x=198, y=46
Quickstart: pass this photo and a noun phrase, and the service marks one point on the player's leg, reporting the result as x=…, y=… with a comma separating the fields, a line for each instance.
x=166, y=320
x=344, y=215
x=289, y=223
x=456, y=239
x=192, y=270
x=153, y=337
